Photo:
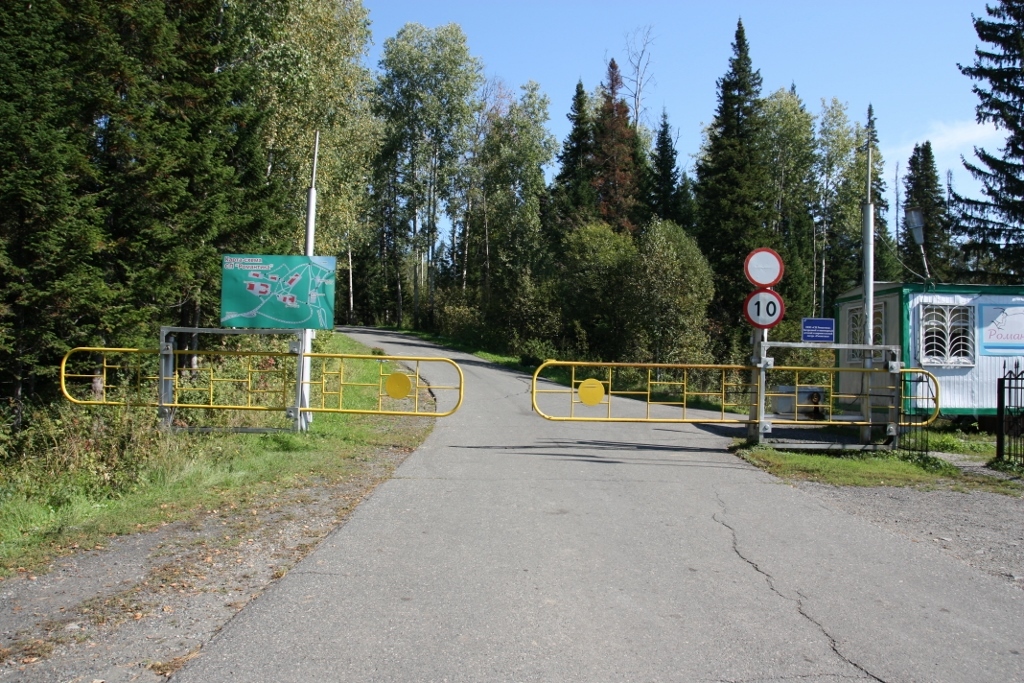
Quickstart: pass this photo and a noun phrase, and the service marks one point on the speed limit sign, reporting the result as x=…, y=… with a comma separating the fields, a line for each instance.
x=764, y=308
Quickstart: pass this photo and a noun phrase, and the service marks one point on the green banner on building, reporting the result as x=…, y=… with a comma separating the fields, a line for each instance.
x=261, y=291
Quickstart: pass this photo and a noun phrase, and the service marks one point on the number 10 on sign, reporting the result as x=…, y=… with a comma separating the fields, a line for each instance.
x=764, y=308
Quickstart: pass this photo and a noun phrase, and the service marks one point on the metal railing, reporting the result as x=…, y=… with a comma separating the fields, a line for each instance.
x=1010, y=416
x=763, y=395
x=662, y=392
x=231, y=380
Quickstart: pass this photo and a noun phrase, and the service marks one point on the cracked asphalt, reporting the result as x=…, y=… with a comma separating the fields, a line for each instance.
x=511, y=548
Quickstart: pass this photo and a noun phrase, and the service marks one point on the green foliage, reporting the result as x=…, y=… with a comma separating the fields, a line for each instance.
x=790, y=144
x=992, y=225
x=53, y=290
x=592, y=289
x=179, y=141
x=616, y=178
x=924, y=191
x=573, y=194
x=425, y=98
x=79, y=472
x=668, y=287
x=636, y=299
x=732, y=193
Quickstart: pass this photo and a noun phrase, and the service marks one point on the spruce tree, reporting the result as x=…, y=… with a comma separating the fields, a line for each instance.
x=664, y=196
x=616, y=176
x=53, y=293
x=733, y=194
x=574, y=199
x=994, y=224
x=924, y=191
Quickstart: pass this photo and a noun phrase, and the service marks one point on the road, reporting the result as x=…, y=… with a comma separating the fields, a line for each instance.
x=512, y=548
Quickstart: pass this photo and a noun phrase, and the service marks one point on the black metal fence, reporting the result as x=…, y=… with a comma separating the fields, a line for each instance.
x=1010, y=416
x=917, y=403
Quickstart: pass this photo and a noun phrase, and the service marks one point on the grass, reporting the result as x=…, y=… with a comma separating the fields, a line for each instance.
x=920, y=470
x=67, y=498
x=944, y=440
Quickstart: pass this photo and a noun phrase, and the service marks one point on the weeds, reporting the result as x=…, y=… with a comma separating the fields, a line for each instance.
x=77, y=474
x=876, y=469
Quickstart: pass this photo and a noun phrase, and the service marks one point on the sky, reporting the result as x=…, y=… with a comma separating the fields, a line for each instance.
x=899, y=56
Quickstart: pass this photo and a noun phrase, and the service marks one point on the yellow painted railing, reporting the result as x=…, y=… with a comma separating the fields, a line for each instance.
x=661, y=392
x=255, y=381
x=920, y=397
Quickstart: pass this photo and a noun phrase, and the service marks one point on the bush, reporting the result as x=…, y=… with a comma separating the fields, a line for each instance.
x=533, y=352
x=461, y=322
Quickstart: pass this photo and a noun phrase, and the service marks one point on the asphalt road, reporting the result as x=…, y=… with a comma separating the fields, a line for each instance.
x=511, y=548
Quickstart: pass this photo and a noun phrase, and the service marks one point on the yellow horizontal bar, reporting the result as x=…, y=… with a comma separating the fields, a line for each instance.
x=207, y=378
x=934, y=382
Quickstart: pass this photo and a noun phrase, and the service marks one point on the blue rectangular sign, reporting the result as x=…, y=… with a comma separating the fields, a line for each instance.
x=818, y=330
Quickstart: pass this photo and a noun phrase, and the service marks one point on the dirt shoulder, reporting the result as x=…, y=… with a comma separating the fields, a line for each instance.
x=139, y=607
x=981, y=529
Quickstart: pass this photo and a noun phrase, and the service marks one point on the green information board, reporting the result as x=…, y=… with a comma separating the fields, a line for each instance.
x=260, y=291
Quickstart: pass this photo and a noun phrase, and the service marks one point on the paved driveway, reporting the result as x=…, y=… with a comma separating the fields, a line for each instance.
x=511, y=548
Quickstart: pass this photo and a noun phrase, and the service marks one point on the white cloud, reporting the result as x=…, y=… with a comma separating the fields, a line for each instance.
x=950, y=141
x=961, y=137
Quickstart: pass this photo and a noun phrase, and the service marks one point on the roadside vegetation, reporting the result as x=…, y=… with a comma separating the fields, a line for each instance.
x=904, y=468
x=78, y=475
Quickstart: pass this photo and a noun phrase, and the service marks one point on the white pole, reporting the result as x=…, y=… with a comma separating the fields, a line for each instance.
x=869, y=260
x=308, y=334
x=869, y=296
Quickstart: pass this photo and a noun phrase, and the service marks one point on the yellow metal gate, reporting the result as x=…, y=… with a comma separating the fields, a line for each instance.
x=763, y=396
x=223, y=380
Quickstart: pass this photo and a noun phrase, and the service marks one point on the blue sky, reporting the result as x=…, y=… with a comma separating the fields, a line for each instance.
x=900, y=56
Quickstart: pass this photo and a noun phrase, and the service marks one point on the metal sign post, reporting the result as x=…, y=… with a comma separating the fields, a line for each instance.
x=763, y=309
x=869, y=297
x=305, y=418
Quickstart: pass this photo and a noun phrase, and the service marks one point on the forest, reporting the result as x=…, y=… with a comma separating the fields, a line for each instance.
x=140, y=140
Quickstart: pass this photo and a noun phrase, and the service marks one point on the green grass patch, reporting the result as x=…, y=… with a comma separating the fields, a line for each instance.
x=86, y=474
x=916, y=470
x=981, y=445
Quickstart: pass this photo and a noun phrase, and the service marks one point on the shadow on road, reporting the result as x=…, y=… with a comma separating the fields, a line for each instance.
x=590, y=451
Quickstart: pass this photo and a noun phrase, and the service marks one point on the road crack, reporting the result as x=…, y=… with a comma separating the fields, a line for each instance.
x=798, y=602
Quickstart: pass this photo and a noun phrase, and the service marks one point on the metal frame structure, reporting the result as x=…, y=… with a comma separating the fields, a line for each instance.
x=1010, y=416
x=892, y=391
x=119, y=377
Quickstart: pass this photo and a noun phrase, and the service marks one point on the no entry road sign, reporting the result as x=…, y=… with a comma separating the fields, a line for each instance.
x=763, y=267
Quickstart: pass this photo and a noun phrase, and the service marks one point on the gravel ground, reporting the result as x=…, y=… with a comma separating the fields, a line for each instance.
x=983, y=530
x=143, y=605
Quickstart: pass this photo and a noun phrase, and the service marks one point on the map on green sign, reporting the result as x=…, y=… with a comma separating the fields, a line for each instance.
x=259, y=291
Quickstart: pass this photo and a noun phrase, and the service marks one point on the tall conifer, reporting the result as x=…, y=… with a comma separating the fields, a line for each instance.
x=924, y=191
x=732, y=192
x=574, y=198
x=615, y=178
x=994, y=225
x=664, y=196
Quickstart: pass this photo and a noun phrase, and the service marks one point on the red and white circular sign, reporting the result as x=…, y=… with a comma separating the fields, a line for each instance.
x=764, y=308
x=764, y=267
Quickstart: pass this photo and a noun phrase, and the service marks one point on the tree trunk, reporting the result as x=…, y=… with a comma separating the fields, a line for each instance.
x=465, y=238
x=351, y=297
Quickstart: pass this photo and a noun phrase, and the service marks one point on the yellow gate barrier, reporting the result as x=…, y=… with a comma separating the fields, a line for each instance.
x=695, y=393
x=661, y=392
x=255, y=381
